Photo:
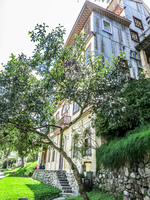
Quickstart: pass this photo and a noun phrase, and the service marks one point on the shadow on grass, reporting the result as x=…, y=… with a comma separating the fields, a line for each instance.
x=43, y=192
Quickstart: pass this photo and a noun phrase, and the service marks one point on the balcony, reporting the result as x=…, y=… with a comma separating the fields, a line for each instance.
x=145, y=34
x=65, y=120
x=145, y=43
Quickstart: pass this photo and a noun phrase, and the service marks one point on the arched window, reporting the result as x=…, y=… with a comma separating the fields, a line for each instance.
x=65, y=108
x=75, y=108
x=87, y=134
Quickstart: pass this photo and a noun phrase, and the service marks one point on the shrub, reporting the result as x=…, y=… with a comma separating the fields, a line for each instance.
x=130, y=109
x=130, y=148
x=26, y=171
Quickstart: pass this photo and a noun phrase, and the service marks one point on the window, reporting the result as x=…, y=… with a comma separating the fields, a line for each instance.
x=75, y=107
x=49, y=155
x=138, y=23
x=134, y=36
x=106, y=26
x=53, y=156
x=57, y=116
x=87, y=27
x=131, y=53
x=75, y=150
x=65, y=108
x=87, y=143
x=87, y=52
x=134, y=54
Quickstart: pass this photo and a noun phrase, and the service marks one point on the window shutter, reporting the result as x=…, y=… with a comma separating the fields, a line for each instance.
x=87, y=28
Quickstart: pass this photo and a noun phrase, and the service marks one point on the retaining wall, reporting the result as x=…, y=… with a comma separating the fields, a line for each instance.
x=50, y=177
x=133, y=181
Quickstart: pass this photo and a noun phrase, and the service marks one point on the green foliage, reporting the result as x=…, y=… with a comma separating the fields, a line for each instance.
x=137, y=94
x=10, y=161
x=95, y=194
x=27, y=170
x=17, y=187
x=28, y=103
x=33, y=157
x=132, y=110
x=131, y=148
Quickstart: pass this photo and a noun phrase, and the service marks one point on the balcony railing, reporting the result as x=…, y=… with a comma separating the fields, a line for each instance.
x=65, y=120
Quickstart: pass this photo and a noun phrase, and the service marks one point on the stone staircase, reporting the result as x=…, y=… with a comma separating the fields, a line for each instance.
x=65, y=187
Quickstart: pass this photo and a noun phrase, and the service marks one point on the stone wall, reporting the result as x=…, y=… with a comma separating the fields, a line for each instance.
x=133, y=181
x=72, y=182
x=50, y=177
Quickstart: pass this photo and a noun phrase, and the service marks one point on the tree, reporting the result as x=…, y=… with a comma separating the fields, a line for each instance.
x=12, y=139
x=28, y=103
x=132, y=112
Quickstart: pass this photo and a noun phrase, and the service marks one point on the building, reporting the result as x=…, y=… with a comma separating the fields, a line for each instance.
x=139, y=32
x=123, y=26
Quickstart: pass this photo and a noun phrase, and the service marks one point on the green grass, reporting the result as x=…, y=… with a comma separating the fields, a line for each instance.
x=26, y=171
x=96, y=194
x=130, y=148
x=13, y=188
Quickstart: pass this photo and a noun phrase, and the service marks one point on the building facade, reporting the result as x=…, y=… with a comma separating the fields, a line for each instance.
x=123, y=26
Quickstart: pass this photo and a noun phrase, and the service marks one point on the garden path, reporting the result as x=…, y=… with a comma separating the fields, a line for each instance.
x=1, y=174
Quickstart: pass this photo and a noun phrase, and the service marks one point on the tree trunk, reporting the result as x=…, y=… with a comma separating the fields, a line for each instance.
x=75, y=172
x=7, y=162
x=80, y=184
x=22, y=162
x=71, y=163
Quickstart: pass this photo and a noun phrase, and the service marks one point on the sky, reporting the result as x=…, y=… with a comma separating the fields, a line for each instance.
x=18, y=17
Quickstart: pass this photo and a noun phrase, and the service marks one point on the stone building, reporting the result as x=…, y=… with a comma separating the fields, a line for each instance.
x=122, y=26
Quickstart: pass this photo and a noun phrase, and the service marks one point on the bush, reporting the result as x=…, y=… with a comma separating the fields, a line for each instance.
x=130, y=148
x=26, y=171
x=130, y=109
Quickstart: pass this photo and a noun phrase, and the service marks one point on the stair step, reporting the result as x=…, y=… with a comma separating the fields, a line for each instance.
x=67, y=191
x=63, y=177
x=64, y=184
x=66, y=187
x=63, y=180
x=63, y=194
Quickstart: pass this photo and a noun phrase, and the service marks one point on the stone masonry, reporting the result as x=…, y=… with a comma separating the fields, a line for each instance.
x=133, y=181
x=51, y=177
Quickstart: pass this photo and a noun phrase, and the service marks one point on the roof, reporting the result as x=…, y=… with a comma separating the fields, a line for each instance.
x=137, y=1
x=85, y=13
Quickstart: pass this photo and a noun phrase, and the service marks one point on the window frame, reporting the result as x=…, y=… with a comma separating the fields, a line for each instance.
x=103, y=20
x=49, y=156
x=75, y=152
x=135, y=18
x=53, y=156
x=134, y=54
x=87, y=27
x=74, y=112
x=86, y=54
x=66, y=103
x=57, y=116
x=87, y=134
x=132, y=31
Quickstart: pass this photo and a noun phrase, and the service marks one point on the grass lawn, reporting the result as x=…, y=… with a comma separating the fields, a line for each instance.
x=96, y=194
x=21, y=172
x=18, y=185
x=13, y=188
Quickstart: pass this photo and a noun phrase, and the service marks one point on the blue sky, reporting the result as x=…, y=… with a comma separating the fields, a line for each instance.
x=18, y=17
